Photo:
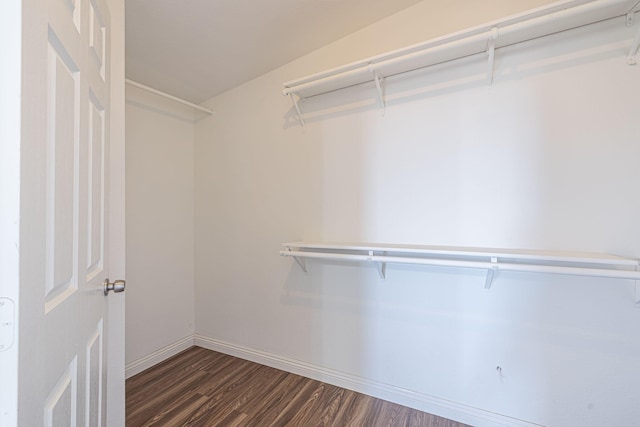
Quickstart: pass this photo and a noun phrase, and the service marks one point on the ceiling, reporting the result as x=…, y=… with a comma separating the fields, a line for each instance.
x=196, y=49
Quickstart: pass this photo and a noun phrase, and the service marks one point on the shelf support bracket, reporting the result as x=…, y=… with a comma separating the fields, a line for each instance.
x=488, y=281
x=637, y=291
x=379, y=82
x=295, y=104
x=301, y=262
x=380, y=266
x=382, y=269
x=631, y=58
x=491, y=50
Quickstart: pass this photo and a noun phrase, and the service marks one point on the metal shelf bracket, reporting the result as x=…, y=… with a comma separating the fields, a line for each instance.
x=637, y=291
x=631, y=58
x=301, y=261
x=295, y=104
x=382, y=270
x=488, y=281
x=379, y=82
x=491, y=50
x=380, y=266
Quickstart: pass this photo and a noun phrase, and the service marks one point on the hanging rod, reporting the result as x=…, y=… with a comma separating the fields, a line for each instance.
x=168, y=96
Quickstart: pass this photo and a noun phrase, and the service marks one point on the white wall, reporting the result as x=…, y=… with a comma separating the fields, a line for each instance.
x=545, y=159
x=160, y=227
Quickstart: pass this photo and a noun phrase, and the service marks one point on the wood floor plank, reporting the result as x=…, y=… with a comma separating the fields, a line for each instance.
x=262, y=379
x=234, y=419
x=392, y=415
x=342, y=412
x=180, y=364
x=225, y=380
x=223, y=401
x=276, y=401
x=153, y=401
x=331, y=405
x=294, y=402
x=302, y=402
x=200, y=387
x=357, y=411
x=178, y=414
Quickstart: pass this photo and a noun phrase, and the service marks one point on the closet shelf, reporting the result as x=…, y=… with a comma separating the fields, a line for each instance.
x=168, y=96
x=489, y=259
x=483, y=39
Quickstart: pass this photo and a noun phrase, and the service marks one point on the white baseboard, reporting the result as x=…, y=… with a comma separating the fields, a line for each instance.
x=158, y=356
x=423, y=402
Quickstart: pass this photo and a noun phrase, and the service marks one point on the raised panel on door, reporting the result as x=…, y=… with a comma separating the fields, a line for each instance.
x=94, y=378
x=98, y=140
x=96, y=188
x=60, y=405
x=63, y=128
x=97, y=35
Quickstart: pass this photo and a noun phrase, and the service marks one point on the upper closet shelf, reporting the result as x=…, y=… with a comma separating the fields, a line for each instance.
x=168, y=96
x=556, y=17
x=489, y=259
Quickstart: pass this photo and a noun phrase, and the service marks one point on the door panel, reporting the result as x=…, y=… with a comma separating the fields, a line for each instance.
x=96, y=185
x=63, y=126
x=94, y=380
x=97, y=32
x=63, y=362
x=60, y=405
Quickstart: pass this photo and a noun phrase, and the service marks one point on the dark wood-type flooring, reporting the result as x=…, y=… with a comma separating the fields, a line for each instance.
x=200, y=387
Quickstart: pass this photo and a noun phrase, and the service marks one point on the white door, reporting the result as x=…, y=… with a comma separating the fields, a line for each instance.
x=64, y=225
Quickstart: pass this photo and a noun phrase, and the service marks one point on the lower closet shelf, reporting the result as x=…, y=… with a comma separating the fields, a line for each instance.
x=489, y=259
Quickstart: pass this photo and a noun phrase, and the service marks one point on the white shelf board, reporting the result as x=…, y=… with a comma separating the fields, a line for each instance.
x=550, y=19
x=490, y=259
x=472, y=252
